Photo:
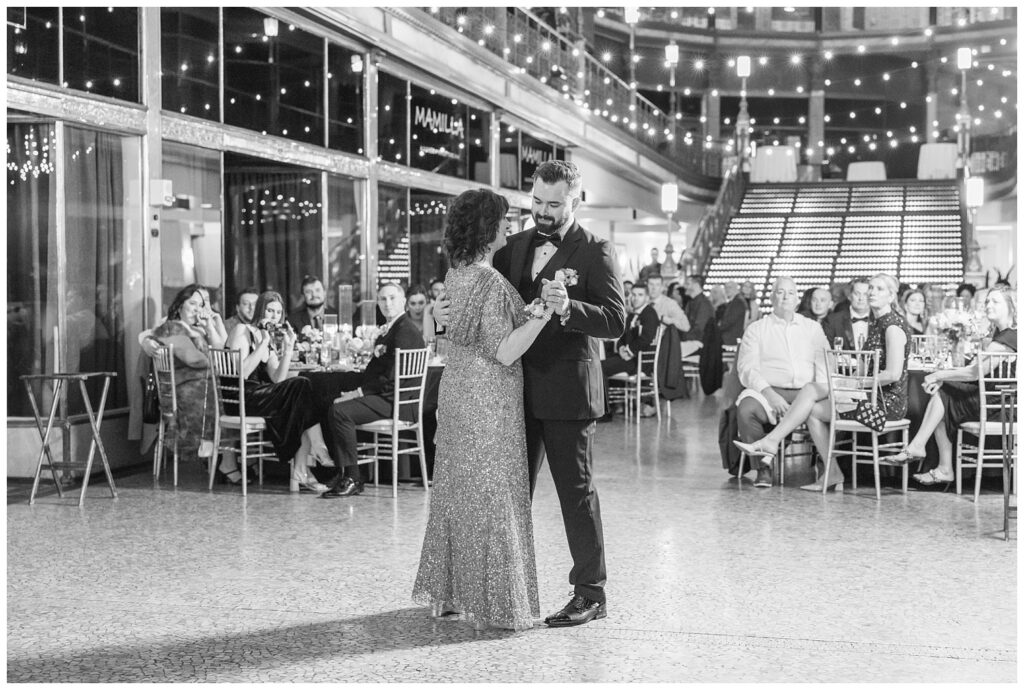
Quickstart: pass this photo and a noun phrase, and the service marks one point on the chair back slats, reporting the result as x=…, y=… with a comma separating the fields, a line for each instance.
x=648, y=359
x=229, y=386
x=997, y=371
x=410, y=377
x=852, y=376
x=163, y=370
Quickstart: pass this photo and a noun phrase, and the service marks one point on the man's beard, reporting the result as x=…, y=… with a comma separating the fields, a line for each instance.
x=314, y=305
x=547, y=225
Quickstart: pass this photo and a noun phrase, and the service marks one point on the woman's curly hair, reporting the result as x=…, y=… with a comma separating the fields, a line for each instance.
x=473, y=223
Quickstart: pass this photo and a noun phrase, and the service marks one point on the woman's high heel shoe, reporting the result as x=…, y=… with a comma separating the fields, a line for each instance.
x=231, y=477
x=755, y=450
x=816, y=486
x=304, y=482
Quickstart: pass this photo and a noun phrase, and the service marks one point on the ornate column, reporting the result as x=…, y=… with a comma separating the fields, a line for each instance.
x=816, y=113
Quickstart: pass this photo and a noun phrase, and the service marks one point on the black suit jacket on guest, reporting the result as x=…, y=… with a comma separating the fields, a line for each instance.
x=640, y=330
x=299, y=318
x=562, y=369
x=733, y=319
x=838, y=324
x=379, y=375
x=698, y=312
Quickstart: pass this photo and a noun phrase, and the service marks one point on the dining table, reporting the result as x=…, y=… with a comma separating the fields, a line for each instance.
x=331, y=381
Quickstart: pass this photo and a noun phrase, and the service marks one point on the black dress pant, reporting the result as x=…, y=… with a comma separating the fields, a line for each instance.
x=568, y=446
x=345, y=417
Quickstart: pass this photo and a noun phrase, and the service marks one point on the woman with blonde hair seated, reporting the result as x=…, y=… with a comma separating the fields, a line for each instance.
x=954, y=392
x=887, y=333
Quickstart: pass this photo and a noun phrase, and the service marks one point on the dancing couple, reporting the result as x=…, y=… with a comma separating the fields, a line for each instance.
x=522, y=380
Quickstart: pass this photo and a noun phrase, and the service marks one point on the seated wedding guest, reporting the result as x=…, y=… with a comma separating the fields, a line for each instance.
x=819, y=305
x=266, y=348
x=734, y=316
x=889, y=335
x=698, y=312
x=840, y=296
x=850, y=324
x=749, y=293
x=219, y=336
x=430, y=330
x=716, y=295
x=674, y=291
x=641, y=327
x=188, y=330
x=914, y=308
x=436, y=289
x=373, y=397
x=780, y=354
x=627, y=285
x=244, y=308
x=668, y=310
x=415, y=307
x=805, y=302
x=954, y=393
x=314, y=306
x=653, y=268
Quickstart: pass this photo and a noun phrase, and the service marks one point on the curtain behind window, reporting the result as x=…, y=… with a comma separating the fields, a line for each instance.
x=95, y=193
x=273, y=227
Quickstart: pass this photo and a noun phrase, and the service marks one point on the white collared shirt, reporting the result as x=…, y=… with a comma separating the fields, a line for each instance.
x=782, y=354
x=543, y=253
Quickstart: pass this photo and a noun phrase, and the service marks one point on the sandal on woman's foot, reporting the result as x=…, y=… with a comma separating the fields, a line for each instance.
x=933, y=477
x=904, y=457
x=232, y=477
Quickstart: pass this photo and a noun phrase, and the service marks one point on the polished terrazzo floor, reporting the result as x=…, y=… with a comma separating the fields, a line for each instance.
x=708, y=581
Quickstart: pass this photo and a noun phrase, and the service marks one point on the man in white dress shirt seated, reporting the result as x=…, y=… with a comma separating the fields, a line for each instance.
x=779, y=354
x=669, y=311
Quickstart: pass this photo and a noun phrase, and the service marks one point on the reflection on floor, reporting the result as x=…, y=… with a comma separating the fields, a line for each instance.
x=708, y=581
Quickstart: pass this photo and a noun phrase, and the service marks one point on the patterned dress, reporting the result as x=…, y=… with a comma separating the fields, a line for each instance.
x=478, y=553
x=894, y=395
x=195, y=421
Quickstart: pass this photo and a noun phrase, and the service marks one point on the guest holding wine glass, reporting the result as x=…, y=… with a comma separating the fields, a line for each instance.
x=955, y=397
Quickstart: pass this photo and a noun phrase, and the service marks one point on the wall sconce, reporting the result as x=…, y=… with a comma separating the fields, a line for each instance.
x=270, y=26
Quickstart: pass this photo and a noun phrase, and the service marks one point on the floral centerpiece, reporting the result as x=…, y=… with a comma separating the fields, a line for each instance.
x=963, y=329
x=362, y=346
x=309, y=344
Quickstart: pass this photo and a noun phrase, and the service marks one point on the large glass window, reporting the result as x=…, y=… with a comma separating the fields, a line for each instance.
x=438, y=133
x=32, y=50
x=427, y=212
x=272, y=226
x=393, y=235
x=345, y=257
x=392, y=120
x=509, y=161
x=479, y=146
x=190, y=231
x=345, y=99
x=189, y=44
x=273, y=74
x=101, y=51
x=31, y=257
x=533, y=152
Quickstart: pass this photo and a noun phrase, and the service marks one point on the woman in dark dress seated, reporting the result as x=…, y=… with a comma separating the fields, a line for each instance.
x=266, y=348
x=954, y=393
x=915, y=310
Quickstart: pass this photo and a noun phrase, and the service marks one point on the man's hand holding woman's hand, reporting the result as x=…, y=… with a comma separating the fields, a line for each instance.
x=555, y=296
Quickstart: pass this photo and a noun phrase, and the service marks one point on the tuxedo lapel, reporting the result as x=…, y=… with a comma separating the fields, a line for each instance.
x=519, y=251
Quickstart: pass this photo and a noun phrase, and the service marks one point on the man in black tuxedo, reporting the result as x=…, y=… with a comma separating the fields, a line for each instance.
x=641, y=327
x=314, y=308
x=562, y=381
x=373, y=396
x=851, y=324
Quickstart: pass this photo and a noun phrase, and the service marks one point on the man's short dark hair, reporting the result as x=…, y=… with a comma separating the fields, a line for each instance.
x=966, y=286
x=309, y=280
x=394, y=285
x=639, y=286
x=697, y=279
x=251, y=290
x=554, y=171
x=862, y=280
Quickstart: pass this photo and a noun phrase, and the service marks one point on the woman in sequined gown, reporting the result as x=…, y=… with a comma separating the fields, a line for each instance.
x=478, y=556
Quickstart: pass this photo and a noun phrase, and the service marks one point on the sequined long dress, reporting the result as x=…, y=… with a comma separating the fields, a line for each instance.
x=478, y=550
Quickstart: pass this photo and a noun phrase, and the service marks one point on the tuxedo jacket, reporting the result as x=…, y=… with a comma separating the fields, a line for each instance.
x=379, y=375
x=562, y=369
x=838, y=323
x=640, y=330
x=299, y=318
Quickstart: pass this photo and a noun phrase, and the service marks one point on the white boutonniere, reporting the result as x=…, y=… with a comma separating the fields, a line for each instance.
x=567, y=277
x=380, y=350
x=536, y=310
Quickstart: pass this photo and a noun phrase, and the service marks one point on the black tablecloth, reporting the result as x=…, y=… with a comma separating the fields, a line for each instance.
x=328, y=385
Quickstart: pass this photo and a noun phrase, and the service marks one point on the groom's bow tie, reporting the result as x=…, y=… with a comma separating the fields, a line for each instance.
x=855, y=319
x=540, y=238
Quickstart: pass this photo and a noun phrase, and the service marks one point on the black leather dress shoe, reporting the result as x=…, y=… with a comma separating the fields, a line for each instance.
x=340, y=489
x=578, y=611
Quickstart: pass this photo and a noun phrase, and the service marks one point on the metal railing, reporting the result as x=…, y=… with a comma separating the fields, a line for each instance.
x=536, y=48
x=713, y=224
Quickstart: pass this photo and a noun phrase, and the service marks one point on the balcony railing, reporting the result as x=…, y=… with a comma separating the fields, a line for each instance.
x=537, y=49
x=713, y=224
